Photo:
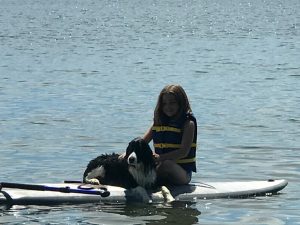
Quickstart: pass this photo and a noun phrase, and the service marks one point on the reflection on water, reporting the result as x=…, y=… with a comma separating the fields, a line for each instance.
x=177, y=213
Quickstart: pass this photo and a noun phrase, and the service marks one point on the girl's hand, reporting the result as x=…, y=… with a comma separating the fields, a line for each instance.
x=156, y=157
x=122, y=156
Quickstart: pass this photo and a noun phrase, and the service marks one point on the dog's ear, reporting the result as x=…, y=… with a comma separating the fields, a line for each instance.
x=147, y=151
x=133, y=144
x=146, y=148
x=147, y=154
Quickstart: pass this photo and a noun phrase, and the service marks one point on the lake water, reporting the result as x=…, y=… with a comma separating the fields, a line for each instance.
x=81, y=78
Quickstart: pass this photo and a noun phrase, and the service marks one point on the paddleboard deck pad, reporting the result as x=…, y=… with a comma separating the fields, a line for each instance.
x=77, y=193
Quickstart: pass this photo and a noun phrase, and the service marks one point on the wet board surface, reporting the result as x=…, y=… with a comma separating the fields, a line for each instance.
x=191, y=192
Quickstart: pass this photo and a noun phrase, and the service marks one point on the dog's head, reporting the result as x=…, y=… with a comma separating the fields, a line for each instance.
x=139, y=154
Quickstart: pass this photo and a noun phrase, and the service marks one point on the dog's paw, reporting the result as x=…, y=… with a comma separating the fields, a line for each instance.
x=92, y=181
x=146, y=199
x=167, y=194
x=141, y=194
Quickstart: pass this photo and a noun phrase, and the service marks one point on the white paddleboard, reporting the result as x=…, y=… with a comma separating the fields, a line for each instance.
x=191, y=192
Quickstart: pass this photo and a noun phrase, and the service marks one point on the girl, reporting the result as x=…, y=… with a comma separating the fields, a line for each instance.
x=174, y=135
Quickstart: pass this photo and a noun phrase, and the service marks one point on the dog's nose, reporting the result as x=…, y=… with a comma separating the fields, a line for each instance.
x=131, y=160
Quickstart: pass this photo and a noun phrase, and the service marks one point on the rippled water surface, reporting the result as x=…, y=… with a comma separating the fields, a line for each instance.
x=80, y=78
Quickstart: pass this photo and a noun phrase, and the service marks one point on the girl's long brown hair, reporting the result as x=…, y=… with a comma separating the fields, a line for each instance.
x=181, y=98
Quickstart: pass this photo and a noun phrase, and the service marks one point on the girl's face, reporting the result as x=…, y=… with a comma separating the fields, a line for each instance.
x=170, y=106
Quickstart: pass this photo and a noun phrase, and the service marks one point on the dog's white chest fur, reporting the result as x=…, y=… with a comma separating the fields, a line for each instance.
x=142, y=179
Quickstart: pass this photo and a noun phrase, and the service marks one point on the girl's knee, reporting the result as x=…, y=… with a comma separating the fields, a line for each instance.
x=166, y=165
x=169, y=170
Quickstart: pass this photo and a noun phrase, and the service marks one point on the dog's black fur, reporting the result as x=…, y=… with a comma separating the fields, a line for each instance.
x=137, y=168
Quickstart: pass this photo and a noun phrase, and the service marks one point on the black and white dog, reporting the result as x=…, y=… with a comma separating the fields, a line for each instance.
x=135, y=171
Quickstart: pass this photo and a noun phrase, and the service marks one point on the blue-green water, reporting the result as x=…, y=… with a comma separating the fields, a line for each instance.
x=80, y=78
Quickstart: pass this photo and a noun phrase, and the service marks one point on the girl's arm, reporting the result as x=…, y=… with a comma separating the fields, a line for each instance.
x=148, y=135
x=185, y=146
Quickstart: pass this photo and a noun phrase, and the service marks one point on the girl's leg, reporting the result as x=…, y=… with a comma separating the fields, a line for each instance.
x=170, y=172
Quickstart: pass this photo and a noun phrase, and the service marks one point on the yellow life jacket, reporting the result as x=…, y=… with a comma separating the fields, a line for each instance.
x=167, y=138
